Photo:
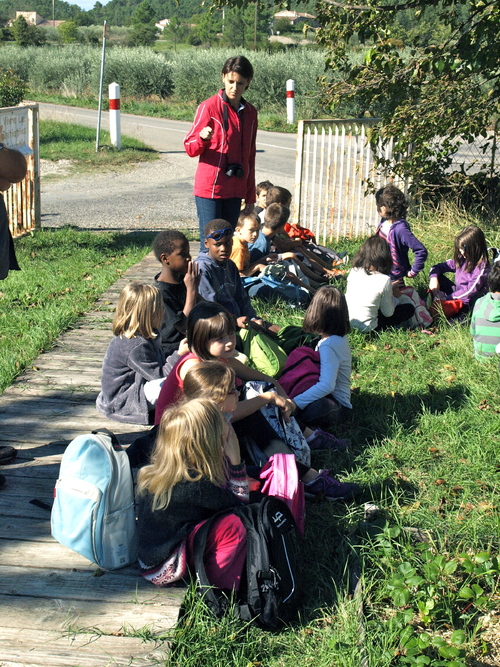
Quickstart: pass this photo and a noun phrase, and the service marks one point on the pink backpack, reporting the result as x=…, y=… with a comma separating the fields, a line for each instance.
x=301, y=371
x=281, y=480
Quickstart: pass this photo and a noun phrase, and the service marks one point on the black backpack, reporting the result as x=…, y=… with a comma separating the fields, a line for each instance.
x=270, y=588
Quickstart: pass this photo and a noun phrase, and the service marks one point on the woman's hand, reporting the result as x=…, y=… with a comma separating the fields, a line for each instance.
x=206, y=133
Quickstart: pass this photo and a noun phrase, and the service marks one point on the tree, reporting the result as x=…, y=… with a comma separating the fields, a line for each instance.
x=175, y=31
x=143, y=31
x=448, y=89
x=26, y=34
x=208, y=28
x=68, y=32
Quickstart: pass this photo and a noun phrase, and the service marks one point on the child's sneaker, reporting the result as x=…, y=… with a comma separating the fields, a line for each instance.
x=330, y=488
x=323, y=440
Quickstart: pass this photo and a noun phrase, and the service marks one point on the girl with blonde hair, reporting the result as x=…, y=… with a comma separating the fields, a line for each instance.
x=134, y=366
x=195, y=471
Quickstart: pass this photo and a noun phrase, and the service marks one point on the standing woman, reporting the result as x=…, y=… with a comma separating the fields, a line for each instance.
x=223, y=135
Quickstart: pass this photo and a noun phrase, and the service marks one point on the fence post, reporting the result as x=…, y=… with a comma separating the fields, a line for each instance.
x=114, y=115
x=290, y=101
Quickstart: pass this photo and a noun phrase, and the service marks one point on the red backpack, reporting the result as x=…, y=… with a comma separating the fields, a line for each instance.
x=301, y=371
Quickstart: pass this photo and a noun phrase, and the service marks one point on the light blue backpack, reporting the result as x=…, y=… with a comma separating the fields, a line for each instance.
x=93, y=511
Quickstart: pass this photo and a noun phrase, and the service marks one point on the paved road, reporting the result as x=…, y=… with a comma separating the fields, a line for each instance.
x=152, y=196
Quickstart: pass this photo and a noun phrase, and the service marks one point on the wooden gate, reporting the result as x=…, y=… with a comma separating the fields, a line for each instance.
x=19, y=129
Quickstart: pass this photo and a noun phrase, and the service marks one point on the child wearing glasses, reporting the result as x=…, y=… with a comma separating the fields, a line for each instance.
x=220, y=279
x=470, y=264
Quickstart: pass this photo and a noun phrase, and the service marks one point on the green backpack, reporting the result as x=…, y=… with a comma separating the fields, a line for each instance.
x=292, y=336
x=264, y=354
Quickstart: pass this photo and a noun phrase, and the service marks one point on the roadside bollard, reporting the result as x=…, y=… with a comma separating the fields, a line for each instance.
x=114, y=115
x=290, y=101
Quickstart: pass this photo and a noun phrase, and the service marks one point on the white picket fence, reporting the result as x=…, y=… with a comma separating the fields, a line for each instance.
x=333, y=166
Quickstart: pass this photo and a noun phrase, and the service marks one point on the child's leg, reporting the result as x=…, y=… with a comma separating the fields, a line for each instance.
x=297, y=281
x=402, y=312
x=225, y=552
x=322, y=413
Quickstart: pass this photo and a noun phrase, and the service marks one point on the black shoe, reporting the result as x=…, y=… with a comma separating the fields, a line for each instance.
x=7, y=454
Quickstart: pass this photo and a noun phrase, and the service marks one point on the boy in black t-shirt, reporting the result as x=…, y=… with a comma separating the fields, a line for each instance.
x=178, y=283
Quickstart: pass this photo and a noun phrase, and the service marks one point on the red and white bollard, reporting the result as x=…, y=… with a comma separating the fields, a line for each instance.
x=290, y=101
x=114, y=115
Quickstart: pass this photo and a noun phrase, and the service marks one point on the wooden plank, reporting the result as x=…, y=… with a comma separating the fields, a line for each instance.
x=60, y=614
x=26, y=529
x=124, y=586
x=49, y=647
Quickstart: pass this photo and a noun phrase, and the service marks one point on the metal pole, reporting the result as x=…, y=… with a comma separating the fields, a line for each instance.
x=100, y=88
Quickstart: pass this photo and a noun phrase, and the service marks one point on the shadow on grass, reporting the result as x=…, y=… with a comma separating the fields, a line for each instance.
x=378, y=416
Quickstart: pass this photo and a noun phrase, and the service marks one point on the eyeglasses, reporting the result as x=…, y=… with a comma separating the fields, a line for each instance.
x=220, y=233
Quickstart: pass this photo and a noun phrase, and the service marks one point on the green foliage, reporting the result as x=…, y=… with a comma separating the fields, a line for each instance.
x=68, y=32
x=142, y=35
x=26, y=34
x=144, y=14
x=75, y=69
x=12, y=89
x=448, y=89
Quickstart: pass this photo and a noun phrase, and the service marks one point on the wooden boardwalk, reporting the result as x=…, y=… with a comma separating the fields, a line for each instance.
x=54, y=609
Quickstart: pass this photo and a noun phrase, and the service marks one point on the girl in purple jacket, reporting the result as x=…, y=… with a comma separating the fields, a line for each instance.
x=392, y=206
x=470, y=265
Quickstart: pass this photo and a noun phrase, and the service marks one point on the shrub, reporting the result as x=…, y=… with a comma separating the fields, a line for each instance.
x=12, y=89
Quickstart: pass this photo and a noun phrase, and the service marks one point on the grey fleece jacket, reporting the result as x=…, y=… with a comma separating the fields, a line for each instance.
x=128, y=364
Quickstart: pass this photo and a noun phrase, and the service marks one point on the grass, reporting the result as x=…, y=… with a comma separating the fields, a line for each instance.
x=69, y=141
x=63, y=272
x=426, y=437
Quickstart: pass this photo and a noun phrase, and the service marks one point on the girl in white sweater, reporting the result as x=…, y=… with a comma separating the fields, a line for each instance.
x=374, y=302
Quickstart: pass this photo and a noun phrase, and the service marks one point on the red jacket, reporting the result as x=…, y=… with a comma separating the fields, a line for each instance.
x=224, y=147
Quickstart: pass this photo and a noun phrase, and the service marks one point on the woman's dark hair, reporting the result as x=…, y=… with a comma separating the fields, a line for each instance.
x=374, y=255
x=327, y=314
x=494, y=277
x=205, y=321
x=240, y=65
x=470, y=248
x=394, y=200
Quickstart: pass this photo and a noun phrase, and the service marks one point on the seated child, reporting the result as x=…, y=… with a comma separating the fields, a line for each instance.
x=134, y=366
x=178, y=284
x=261, y=193
x=392, y=206
x=485, y=322
x=328, y=402
x=316, y=269
x=247, y=230
x=374, y=303
x=470, y=264
x=220, y=279
x=195, y=471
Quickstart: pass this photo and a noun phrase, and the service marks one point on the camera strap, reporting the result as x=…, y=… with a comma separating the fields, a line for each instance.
x=225, y=122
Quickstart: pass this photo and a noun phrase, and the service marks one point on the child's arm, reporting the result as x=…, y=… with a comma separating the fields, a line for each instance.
x=192, y=281
x=387, y=299
x=418, y=249
x=438, y=270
